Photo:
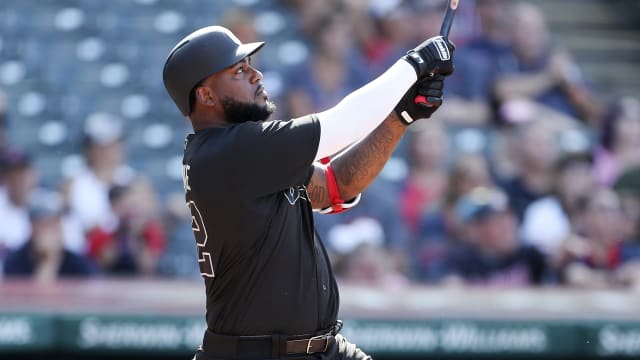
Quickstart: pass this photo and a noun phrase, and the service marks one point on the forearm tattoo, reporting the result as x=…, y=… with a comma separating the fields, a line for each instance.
x=358, y=166
x=317, y=189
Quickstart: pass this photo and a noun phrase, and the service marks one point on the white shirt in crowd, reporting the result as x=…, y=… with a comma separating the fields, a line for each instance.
x=89, y=198
x=15, y=227
x=545, y=224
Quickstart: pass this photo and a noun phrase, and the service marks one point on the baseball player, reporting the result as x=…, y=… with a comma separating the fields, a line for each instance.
x=251, y=184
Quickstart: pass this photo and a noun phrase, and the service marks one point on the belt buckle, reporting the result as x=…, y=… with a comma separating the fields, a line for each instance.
x=318, y=337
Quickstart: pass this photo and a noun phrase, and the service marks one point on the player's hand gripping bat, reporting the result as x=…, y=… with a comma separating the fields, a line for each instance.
x=452, y=5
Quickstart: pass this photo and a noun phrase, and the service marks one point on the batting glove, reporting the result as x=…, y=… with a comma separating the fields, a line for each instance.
x=434, y=56
x=421, y=100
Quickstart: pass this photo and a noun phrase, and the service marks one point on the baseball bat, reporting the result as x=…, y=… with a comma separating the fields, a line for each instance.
x=452, y=6
x=448, y=18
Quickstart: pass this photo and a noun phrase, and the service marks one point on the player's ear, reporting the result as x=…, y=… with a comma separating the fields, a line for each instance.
x=205, y=96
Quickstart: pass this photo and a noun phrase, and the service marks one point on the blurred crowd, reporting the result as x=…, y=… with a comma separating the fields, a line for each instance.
x=524, y=177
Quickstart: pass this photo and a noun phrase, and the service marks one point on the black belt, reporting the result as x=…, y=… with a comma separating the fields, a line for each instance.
x=267, y=345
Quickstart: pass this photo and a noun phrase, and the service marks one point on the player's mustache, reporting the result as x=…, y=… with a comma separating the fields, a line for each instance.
x=259, y=89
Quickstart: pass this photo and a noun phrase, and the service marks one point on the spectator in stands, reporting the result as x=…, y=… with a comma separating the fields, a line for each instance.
x=332, y=71
x=539, y=71
x=87, y=191
x=617, y=150
x=360, y=256
x=477, y=65
x=468, y=171
x=21, y=186
x=493, y=254
x=439, y=230
x=604, y=253
x=309, y=14
x=382, y=29
x=534, y=150
x=372, y=266
x=21, y=178
x=3, y=127
x=547, y=222
x=240, y=22
x=628, y=189
x=136, y=243
x=43, y=257
x=425, y=187
x=379, y=203
x=378, y=208
x=177, y=258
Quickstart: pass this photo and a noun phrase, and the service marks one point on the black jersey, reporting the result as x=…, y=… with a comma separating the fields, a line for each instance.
x=264, y=270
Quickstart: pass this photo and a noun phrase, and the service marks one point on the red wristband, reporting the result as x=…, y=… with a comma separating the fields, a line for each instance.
x=337, y=201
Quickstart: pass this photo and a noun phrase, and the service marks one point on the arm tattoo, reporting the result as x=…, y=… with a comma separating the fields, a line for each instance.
x=357, y=167
x=370, y=151
x=317, y=189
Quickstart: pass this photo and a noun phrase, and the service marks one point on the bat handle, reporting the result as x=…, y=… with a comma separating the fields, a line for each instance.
x=452, y=5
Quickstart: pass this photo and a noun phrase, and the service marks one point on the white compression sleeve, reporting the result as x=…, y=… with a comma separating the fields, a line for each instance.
x=360, y=112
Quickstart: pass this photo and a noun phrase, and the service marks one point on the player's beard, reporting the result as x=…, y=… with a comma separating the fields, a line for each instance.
x=238, y=112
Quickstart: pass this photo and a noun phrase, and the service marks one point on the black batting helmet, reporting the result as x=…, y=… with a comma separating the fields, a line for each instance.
x=200, y=54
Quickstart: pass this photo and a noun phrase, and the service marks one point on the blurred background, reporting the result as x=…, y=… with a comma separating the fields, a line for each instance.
x=508, y=225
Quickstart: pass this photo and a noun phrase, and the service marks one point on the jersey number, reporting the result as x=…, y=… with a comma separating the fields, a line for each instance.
x=200, y=232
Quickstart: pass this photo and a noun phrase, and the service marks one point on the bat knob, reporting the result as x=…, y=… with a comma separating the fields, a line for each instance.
x=420, y=99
